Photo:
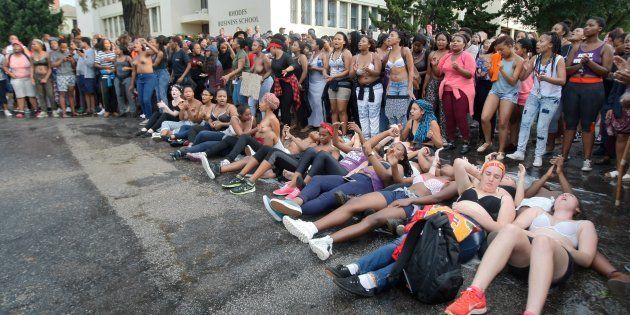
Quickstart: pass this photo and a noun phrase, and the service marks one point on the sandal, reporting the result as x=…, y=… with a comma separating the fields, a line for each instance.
x=482, y=148
x=500, y=156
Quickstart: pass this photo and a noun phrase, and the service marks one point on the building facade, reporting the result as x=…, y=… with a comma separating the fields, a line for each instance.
x=208, y=16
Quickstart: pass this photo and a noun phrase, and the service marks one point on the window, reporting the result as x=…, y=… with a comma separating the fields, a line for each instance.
x=204, y=4
x=154, y=15
x=106, y=26
x=365, y=16
x=332, y=13
x=319, y=12
x=306, y=11
x=343, y=14
x=354, y=16
x=294, y=11
x=121, y=23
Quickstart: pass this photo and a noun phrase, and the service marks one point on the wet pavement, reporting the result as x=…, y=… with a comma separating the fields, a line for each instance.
x=96, y=221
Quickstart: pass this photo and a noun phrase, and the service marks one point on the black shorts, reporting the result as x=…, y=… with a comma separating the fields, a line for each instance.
x=581, y=103
x=523, y=272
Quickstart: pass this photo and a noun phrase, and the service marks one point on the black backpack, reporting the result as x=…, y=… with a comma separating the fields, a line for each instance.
x=428, y=262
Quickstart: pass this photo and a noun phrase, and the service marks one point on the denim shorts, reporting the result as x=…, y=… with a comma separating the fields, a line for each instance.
x=397, y=194
x=398, y=88
x=87, y=85
x=511, y=96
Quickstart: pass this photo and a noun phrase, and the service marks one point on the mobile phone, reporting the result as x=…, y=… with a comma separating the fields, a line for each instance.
x=349, y=179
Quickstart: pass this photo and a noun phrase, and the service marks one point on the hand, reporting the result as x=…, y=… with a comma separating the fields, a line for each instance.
x=455, y=66
x=551, y=171
x=430, y=134
x=585, y=60
x=354, y=127
x=401, y=203
x=394, y=131
x=434, y=61
x=161, y=104
x=425, y=151
x=620, y=62
x=285, y=132
x=559, y=162
x=491, y=156
x=410, y=92
x=521, y=172
x=180, y=80
x=225, y=79
x=609, y=114
x=424, y=94
x=284, y=72
x=391, y=158
x=367, y=148
x=542, y=77
x=501, y=67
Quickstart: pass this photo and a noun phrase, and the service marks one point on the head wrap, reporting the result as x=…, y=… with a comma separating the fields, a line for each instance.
x=328, y=127
x=425, y=123
x=274, y=45
x=271, y=100
x=212, y=48
x=494, y=163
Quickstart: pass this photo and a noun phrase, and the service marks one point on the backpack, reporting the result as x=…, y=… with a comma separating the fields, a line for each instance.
x=428, y=262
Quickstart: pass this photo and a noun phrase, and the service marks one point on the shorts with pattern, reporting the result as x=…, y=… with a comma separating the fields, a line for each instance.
x=64, y=82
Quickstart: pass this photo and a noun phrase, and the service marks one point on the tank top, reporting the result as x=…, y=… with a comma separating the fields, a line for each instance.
x=353, y=160
x=337, y=65
x=550, y=69
x=20, y=65
x=41, y=62
x=162, y=64
x=502, y=85
x=120, y=73
x=491, y=204
x=595, y=55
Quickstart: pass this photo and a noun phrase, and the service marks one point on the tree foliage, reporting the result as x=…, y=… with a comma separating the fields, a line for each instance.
x=543, y=14
x=395, y=15
x=135, y=15
x=477, y=17
x=28, y=19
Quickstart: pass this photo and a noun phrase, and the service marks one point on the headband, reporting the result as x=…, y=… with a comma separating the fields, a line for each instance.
x=275, y=45
x=494, y=163
x=328, y=128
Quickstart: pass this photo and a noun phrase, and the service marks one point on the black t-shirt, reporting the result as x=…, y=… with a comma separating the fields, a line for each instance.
x=195, y=69
x=179, y=60
x=277, y=65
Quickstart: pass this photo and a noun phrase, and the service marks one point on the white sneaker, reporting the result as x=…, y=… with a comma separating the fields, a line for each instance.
x=517, y=156
x=298, y=228
x=144, y=122
x=206, y=167
x=7, y=113
x=68, y=110
x=42, y=114
x=322, y=247
x=225, y=162
x=55, y=114
x=156, y=136
x=142, y=116
x=587, y=166
x=102, y=112
x=537, y=161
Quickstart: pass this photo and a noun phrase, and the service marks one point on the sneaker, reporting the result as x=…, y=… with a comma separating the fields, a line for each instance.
x=287, y=207
x=234, y=182
x=339, y=271
x=578, y=137
x=277, y=216
x=465, y=149
x=284, y=190
x=101, y=113
x=251, y=151
x=470, y=302
x=68, y=110
x=353, y=285
x=7, y=113
x=156, y=136
x=211, y=169
x=144, y=122
x=298, y=228
x=176, y=155
x=55, y=114
x=41, y=114
x=195, y=156
x=246, y=187
x=341, y=198
x=322, y=247
x=225, y=162
x=142, y=116
x=177, y=143
x=19, y=115
x=538, y=161
x=587, y=166
x=294, y=194
x=448, y=146
x=516, y=156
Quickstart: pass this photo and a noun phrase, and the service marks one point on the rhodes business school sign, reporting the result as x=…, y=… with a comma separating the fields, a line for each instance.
x=230, y=14
x=240, y=17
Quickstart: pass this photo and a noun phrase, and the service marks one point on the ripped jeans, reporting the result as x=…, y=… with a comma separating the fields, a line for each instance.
x=545, y=108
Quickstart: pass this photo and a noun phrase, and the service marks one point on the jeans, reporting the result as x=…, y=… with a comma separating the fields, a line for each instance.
x=265, y=87
x=223, y=147
x=398, y=88
x=161, y=88
x=319, y=194
x=543, y=107
x=145, y=84
x=174, y=126
x=380, y=262
x=126, y=103
x=205, y=140
x=237, y=98
x=369, y=112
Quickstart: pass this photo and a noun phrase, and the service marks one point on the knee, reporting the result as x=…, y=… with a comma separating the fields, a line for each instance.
x=510, y=230
x=374, y=220
x=459, y=163
x=541, y=243
x=504, y=123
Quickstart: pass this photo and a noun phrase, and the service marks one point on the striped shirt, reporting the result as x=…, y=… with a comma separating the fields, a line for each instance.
x=101, y=57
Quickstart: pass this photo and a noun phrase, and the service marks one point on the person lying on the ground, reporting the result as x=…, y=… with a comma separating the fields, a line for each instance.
x=422, y=129
x=432, y=187
x=540, y=246
x=544, y=198
x=268, y=158
x=267, y=132
x=187, y=114
x=166, y=113
x=319, y=195
x=244, y=123
x=491, y=212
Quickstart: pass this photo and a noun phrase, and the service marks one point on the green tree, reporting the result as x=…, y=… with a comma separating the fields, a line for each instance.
x=28, y=19
x=477, y=17
x=543, y=14
x=135, y=15
x=395, y=15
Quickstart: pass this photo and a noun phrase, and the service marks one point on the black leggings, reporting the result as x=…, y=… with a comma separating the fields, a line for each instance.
x=223, y=147
x=156, y=120
x=482, y=89
x=325, y=164
x=282, y=161
x=286, y=102
x=239, y=147
x=581, y=104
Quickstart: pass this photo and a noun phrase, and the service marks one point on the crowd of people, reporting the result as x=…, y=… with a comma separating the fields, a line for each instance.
x=355, y=125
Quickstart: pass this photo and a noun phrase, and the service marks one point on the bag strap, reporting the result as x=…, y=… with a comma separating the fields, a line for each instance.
x=407, y=251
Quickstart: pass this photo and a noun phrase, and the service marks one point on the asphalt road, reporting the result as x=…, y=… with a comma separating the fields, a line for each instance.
x=93, y=220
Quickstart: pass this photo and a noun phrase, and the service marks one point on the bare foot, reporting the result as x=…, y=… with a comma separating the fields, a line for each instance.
x=288, y=174
x=268, y=174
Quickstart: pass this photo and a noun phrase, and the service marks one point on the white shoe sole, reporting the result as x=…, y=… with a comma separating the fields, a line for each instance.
x=322, y=254
x=206, y=167
x=285, y=209
x=272, y=213
x=294, y=230
x=511, y=157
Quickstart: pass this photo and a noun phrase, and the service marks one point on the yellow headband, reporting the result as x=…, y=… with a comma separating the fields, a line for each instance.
x=494, y=163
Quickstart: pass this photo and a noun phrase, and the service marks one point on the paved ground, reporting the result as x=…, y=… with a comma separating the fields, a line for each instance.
x=93, y=220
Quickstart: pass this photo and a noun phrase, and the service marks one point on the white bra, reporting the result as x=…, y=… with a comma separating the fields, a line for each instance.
x=568, y=229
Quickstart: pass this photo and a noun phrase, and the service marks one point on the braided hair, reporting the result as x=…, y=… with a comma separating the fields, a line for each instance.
x=556, y=43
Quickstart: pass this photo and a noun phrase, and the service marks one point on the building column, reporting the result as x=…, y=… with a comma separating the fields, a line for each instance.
x=325, y=13
x=299, y=11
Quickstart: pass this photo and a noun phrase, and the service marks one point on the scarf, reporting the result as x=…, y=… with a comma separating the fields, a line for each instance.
x=425, y=123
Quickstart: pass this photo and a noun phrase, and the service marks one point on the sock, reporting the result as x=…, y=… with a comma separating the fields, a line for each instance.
x=367, y=281
x=353, y=268
x=312, y=228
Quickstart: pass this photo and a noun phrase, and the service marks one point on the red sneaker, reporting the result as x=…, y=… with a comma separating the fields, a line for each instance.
x=285, y=190
x=472, y=301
